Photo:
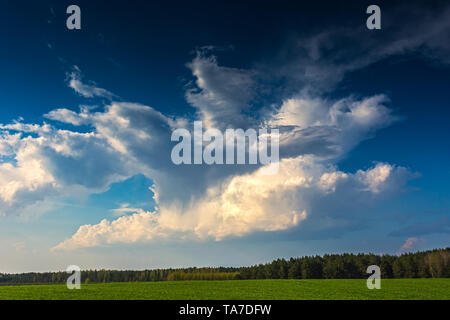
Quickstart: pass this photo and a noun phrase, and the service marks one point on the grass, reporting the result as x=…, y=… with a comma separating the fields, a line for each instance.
x=239, y=289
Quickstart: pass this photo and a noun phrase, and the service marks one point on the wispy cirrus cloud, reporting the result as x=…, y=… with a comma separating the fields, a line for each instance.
x=317, y=63
x=221, y=95
x=87, y=90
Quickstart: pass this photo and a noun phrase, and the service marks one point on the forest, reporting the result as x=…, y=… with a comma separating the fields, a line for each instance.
x=426, y=264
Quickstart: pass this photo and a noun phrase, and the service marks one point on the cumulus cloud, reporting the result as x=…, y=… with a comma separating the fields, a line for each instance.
x=125, y=139
x=242, y=205
x=129, y=138
x=45, y=162
x=41, y=163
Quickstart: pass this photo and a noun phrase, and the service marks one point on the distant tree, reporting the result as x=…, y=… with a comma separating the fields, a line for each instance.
x=432, y=263
x=386, y=266
x=312, y=268
x=295, y=269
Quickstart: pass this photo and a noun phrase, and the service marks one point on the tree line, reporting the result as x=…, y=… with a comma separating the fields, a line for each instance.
x=427, y=264
x=182, y=275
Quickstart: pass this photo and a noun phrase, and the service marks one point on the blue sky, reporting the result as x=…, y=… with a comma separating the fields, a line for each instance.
x=85, y=171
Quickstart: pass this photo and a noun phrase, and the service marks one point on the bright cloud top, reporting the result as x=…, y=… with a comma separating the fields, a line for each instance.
x=247, y=203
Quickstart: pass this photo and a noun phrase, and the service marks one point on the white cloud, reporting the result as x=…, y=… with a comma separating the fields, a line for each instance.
x=86, y=90
x=329, y=180
x=22, y=179
x=329, y=128
x=376, y=177
x=68, y=116
x=44, y=163
x=8, y=142
x=25, y=127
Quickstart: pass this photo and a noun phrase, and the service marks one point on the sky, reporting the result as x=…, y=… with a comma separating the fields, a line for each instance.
x=86, y=176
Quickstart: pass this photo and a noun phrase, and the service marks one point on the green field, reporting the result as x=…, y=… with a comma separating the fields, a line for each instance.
x=239, y=289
